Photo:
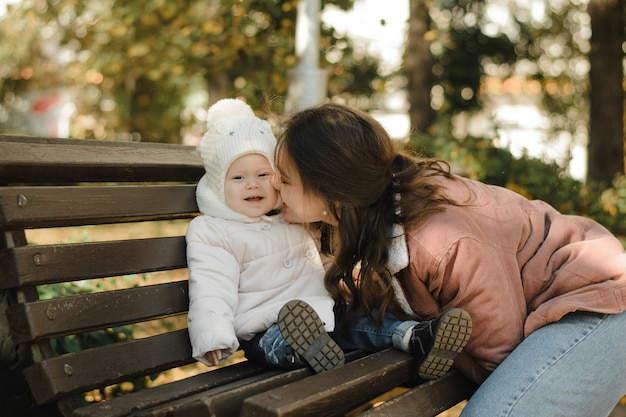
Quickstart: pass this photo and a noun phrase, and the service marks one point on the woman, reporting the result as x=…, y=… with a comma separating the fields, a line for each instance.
x=546, y=292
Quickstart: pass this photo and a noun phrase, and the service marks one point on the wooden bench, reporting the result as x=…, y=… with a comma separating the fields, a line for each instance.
x=50, y=188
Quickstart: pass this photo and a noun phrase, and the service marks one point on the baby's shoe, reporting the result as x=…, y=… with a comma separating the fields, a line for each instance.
x=436, y=342
x=304, y=331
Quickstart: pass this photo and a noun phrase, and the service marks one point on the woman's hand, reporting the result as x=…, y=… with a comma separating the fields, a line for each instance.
x=343, y=287
x=356, y=278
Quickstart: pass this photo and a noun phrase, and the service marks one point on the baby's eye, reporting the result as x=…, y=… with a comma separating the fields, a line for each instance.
x=238, y=177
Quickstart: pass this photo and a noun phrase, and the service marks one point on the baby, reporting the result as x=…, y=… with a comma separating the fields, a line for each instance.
x=246, y=263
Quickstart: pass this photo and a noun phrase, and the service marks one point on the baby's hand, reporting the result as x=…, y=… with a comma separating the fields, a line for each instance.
x=214, y=357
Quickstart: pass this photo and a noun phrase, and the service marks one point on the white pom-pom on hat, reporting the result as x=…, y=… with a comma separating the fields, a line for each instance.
x=225, y=108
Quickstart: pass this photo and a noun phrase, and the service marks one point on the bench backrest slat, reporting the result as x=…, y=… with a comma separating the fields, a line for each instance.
x=82, y=313
x=74, y=373
x=36, y=207
x=47, y=264
x=26, y=159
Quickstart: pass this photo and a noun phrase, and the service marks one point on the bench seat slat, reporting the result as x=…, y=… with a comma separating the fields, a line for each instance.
x=74, y=373
x=428, y=399
x=31, y=160
x=33, y=207
x=82, y=313
x=226, y=401
x=165, y=394
x=49, y=264
x=336, y=391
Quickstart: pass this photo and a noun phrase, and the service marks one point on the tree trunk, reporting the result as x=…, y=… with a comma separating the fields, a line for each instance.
x=418, y=64
x=218, y=88
x=606, y=93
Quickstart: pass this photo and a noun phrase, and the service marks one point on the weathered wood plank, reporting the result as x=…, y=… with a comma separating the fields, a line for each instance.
x=428, y=399
x=166, y=394
x=82, y=313
x=336, y=391
x=35, y=207
x=29, y=159
x=48, y=264
x=224, y=401
x=79, y=372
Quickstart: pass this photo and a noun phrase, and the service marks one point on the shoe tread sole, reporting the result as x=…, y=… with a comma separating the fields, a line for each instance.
x=452, y=335
x=302, y=328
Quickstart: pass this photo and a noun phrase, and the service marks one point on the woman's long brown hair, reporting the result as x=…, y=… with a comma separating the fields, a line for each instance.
x=346, y=157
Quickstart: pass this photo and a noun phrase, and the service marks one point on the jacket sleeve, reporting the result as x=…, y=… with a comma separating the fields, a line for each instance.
x=213, y=288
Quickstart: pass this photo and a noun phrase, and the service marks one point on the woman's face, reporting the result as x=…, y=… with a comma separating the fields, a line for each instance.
x=298, y=207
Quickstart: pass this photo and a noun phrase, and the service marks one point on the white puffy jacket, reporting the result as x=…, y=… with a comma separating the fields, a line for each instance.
x=242, y=273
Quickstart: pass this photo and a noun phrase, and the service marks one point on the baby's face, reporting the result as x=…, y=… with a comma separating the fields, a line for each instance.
x=248, y=186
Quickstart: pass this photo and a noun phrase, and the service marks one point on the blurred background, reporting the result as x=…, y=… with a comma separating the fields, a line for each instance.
x=525, y=94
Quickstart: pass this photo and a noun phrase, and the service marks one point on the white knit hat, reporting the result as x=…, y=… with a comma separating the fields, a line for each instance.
x=232, y=131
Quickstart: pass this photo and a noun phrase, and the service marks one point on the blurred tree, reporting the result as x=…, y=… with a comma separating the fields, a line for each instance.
x=606, y=94
x=463, y=49
x=445, y=58
x=552, y=48
x=135, y=67
x=418, y=64
x=545, y=43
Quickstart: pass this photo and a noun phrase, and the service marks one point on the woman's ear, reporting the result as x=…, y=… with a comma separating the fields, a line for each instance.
x=337, y=206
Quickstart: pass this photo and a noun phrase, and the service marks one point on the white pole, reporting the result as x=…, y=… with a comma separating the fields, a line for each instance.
x=307, y=82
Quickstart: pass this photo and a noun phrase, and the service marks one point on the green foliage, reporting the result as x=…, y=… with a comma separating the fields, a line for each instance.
x=131, y=67
x=549, y=49
x=461, y=51
x=612, y=202
x=129, y=63
x=531, y=177
x=556, y=48
x=77, y=343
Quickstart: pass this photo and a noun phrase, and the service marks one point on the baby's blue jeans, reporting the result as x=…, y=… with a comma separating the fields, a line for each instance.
x=271, y=348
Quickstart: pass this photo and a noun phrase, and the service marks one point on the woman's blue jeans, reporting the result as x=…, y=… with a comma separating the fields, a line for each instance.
x=270, y=347
x=575, y=367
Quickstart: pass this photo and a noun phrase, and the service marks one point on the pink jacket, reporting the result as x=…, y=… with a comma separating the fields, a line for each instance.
x=514, y=264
